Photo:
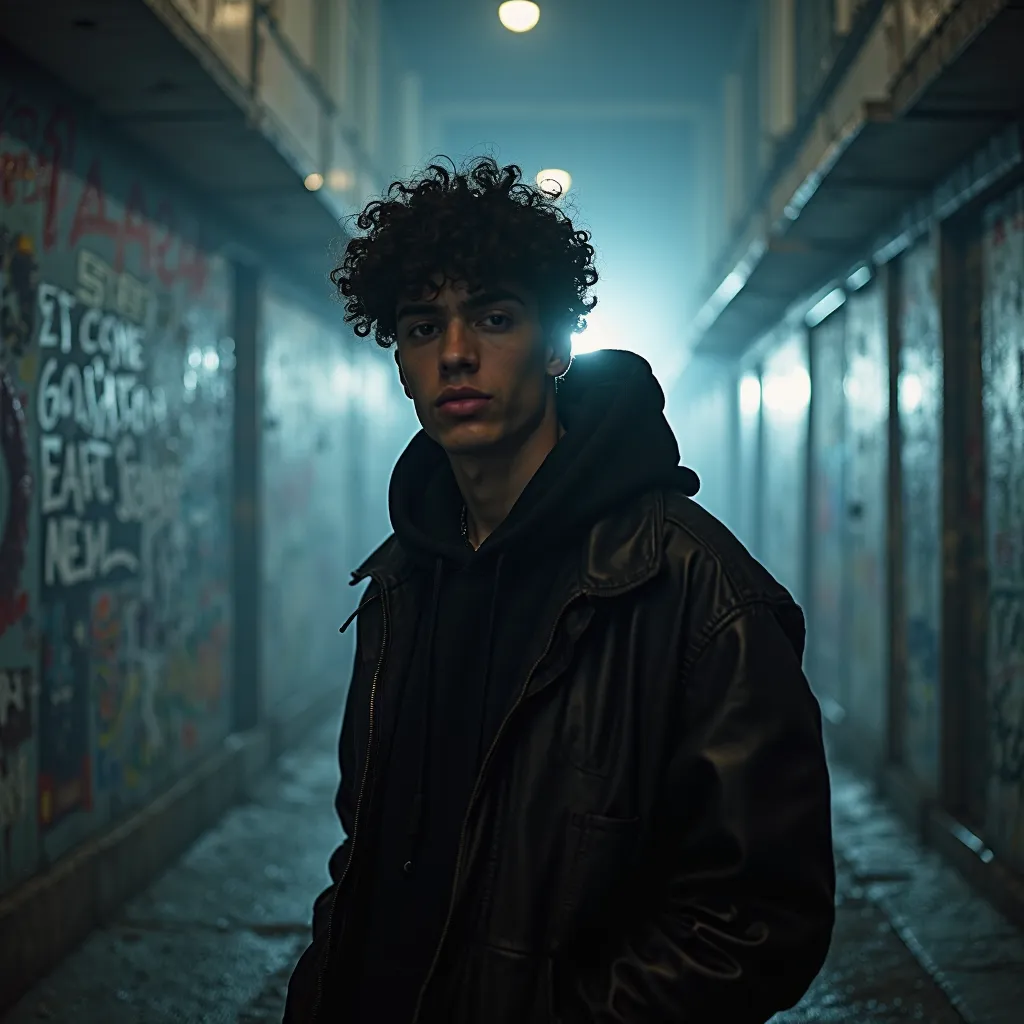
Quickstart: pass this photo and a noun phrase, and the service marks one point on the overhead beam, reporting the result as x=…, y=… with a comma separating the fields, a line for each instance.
x=592, y=111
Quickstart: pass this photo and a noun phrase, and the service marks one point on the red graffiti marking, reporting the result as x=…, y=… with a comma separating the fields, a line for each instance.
x=57, y=799
x=13, y=608
x=91, y=214
x=37, y=165
x=134, y=228
x=34, y=175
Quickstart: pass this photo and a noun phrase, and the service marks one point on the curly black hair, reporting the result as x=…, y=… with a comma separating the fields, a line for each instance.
x=479, y=226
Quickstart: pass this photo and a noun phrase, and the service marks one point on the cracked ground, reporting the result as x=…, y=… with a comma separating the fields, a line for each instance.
x=215, y=938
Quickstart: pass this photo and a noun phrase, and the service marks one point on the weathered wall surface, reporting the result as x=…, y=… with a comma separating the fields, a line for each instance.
x=920, y=417
x=785, y=402
x=867, y=614
x=334, y=421
x=826, y=641
x=1003, y=398
x=115, y=422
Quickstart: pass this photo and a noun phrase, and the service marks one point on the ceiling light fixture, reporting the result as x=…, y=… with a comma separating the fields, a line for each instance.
x=314, y=181
x=519, y=15
x=554, y=182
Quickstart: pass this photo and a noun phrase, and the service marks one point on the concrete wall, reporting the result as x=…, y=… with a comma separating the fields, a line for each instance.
x=116, y=406
x=894, y=510
x=334, y=421
x=118, y=323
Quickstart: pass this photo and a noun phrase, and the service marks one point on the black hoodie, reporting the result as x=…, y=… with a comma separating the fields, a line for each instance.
x=480, y=612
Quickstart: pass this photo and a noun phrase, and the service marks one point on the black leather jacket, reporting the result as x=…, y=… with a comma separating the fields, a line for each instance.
x=649, y=837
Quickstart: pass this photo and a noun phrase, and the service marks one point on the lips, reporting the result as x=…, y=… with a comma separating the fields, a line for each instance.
x=463, y=406
x=462, y=401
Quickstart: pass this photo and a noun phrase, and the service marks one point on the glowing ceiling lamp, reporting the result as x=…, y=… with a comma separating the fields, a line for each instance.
x=314, y=181
x=554, y=181
x=519, y=15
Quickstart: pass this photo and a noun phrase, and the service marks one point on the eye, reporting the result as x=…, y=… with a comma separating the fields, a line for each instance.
x=420, y=331
x=497, y=321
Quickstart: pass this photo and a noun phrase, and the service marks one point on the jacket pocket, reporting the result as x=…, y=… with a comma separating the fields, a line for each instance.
x=599, y=856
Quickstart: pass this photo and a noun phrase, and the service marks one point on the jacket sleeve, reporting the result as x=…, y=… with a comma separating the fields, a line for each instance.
x=303, y=982
x=345, y=798
x=745, y=918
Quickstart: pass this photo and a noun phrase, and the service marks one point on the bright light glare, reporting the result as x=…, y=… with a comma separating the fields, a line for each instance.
x=911, y=391
x=232, y=14
x=341, y=380
x=554, y=181
x=860, y=277
x=750, y=396
x=314, y=181
x=593, y=339
x=730, y=287
x=339, y=180
x=789, y=393
x=826, y=307
x=211, y=360
x=519, y=15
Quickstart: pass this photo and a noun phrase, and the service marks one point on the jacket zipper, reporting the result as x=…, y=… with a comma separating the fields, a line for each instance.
x=472, y=800
x=359, y=804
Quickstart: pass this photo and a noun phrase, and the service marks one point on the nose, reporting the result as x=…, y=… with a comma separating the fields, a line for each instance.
x=458, y=350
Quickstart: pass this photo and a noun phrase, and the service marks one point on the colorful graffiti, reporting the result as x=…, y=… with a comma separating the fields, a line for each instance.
x=65, y=771
x=37, y=164
x=115, y=428
x=1003, y=402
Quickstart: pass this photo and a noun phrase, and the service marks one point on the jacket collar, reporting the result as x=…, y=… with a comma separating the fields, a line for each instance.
x=621, y=551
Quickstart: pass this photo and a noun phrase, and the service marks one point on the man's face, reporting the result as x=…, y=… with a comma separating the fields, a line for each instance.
x=476, y=366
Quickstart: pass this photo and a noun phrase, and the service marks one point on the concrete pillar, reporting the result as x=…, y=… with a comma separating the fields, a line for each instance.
x=247, y=691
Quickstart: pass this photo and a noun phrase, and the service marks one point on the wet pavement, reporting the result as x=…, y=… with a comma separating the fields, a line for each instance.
x=215, y=939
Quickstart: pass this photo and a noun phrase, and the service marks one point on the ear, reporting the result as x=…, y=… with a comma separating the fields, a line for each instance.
x=401, y=374
x=559, y=357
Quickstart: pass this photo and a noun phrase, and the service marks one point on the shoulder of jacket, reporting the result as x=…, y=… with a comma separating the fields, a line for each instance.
x=709, y=553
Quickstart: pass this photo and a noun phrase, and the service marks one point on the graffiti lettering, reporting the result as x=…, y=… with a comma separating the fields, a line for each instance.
x=100, y=403
x=37, y=165
x=55, y=306
x=73, y=473
x=102, y=287
x=147, y=493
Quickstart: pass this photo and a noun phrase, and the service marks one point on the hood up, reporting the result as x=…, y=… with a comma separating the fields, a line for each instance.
x=617, y=445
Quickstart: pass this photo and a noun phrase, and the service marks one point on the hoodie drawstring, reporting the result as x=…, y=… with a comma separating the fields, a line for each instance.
x=418, y=809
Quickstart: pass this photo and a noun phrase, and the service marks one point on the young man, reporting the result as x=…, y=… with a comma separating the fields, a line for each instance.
x=582, y=776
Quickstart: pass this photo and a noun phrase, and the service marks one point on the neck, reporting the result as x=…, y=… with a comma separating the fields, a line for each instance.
x=491, y=483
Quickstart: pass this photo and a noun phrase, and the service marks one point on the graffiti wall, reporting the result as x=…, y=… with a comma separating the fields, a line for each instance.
x=866, y=390
x=1003, y=402
x=785, y=401
x=333, y=424
x=920, y=418
x=826, y=629
x=115, y=408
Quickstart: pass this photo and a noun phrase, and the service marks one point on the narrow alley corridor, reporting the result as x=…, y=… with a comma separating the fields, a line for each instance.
x=214, y=940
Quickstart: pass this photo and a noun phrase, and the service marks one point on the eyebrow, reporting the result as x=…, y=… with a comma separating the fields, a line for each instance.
x=487, y=297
